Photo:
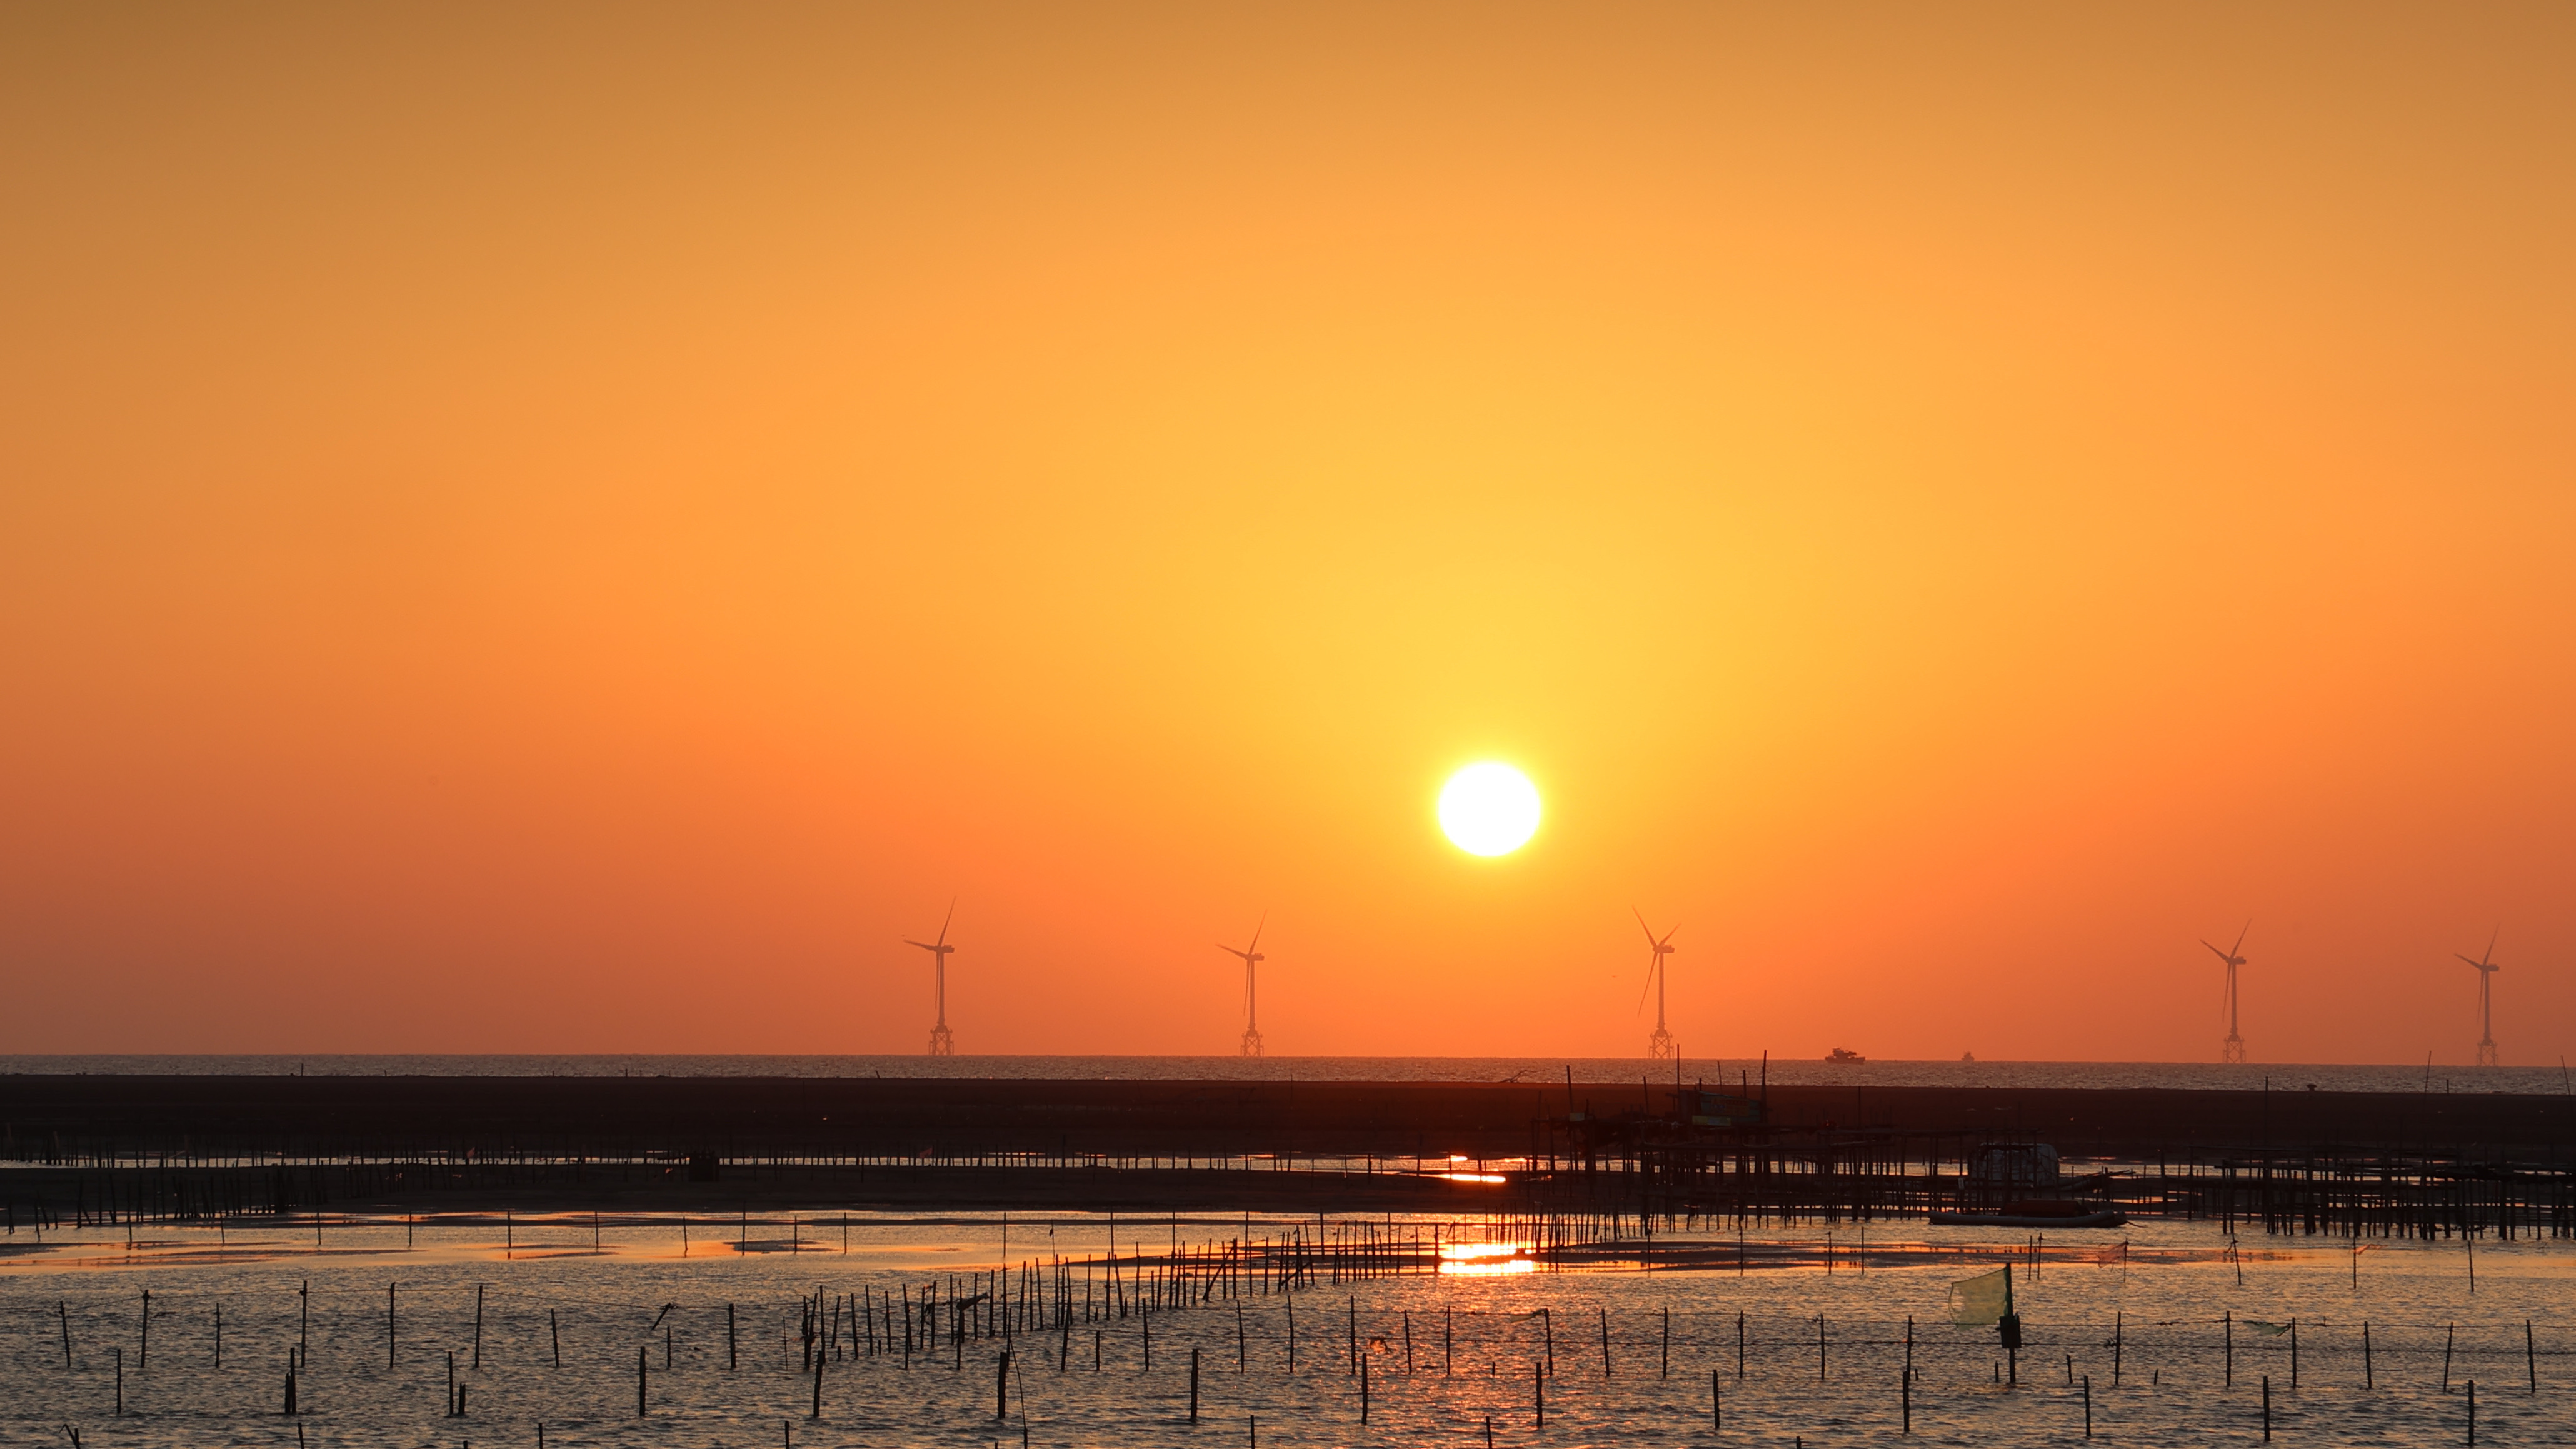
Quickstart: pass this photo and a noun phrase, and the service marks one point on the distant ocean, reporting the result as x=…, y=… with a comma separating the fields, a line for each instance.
x=2203, y=1076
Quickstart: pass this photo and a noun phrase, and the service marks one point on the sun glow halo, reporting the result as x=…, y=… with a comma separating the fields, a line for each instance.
x=1489, y=809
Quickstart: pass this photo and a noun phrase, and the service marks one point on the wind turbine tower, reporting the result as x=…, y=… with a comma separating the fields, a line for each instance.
x=2232, y=1049
x=942, y=1043
x=1252, y=959
x=2487, y=968
x=1659, y=1046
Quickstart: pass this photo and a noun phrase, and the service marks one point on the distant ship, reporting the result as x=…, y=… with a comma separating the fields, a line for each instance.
x=1844, y=1054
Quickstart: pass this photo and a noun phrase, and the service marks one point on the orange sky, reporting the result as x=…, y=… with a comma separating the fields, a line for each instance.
x=570, y=531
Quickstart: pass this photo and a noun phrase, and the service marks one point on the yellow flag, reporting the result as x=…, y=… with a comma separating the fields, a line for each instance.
x=1982, y=1300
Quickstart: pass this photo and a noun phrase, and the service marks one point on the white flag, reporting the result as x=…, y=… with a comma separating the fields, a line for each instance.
x=1982, y=1300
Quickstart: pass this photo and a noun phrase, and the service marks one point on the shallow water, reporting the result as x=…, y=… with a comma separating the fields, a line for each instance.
x=2165, y=1297
x=2187, y=1075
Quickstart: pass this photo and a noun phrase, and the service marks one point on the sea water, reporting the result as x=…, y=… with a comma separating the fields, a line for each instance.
x=1822, y=1352
x=2415, y=1077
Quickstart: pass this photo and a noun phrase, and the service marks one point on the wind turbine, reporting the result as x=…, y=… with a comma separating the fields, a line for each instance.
x=2232, y=1049
x=1659, y=1046
x=2487, y=968
x=1252, y=959
x=942, y=1043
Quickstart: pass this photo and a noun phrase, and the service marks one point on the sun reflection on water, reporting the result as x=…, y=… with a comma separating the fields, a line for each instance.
x=1486, y=1260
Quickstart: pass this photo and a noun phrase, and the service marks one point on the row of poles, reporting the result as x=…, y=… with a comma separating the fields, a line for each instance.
x=2384, y=1197
x=2424, y=1196
x=113, y=1189
x=980, y=1306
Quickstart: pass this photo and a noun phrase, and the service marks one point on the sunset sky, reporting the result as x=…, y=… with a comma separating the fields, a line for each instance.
x=574, y=529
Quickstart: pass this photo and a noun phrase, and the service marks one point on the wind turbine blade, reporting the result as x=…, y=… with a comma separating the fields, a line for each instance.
x=1667, y=942
x=2239, y=947
x=2221, y=955
x=2491, y=943
x=1256, y=932
x=1650, y=986
x=944, y=920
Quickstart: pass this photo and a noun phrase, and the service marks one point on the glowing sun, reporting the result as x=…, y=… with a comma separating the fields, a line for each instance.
x=1489, y=809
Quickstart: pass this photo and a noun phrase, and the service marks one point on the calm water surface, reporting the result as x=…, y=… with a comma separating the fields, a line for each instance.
x=2209, y=1075
x=1474, y=1342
